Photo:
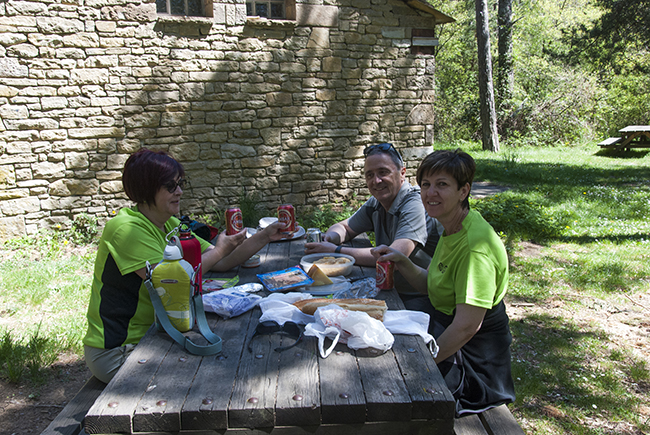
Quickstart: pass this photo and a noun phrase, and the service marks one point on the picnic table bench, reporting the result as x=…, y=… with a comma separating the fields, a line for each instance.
x=632, y=136
x=162, y=389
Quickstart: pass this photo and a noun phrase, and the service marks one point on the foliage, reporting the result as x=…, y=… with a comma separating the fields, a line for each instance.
x=520, y=218
x=611, y=41
x=84, y=229
x=326, y=215
x=249, y=203
x=18, y=357
x=559, y=98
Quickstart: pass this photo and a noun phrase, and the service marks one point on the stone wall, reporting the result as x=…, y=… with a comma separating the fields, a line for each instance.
x=282, y=108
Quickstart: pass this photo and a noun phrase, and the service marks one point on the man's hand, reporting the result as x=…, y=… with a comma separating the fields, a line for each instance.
x=312, y=248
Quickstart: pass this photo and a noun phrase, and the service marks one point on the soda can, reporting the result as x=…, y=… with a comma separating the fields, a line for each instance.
x=287, y=215
x=385, y=275
x=313, y=236
x=234, y=221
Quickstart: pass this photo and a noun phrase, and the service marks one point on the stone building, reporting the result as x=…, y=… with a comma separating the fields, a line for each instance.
x=281, y=105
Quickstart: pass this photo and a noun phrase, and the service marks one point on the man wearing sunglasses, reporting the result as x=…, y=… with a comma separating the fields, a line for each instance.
x=394, y=213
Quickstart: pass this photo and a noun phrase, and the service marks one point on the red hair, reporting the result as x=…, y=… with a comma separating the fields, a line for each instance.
x=146, y=171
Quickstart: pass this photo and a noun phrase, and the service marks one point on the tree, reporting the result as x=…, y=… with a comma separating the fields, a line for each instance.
x=490, y=137
x=505, y=65
x=623, y=27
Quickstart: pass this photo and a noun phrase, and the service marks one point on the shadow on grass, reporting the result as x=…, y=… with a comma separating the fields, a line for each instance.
x=612, y=153
x=565, y=374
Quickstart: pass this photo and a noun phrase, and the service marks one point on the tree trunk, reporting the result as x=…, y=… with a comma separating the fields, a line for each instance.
x=486, y=88
x=505, y=68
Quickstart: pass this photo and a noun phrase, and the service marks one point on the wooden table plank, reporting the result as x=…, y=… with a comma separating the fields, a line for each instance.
x=160, y=407
x=253, y=401
x=342, y=395
x=298, y=399
x=207, y=402
x=113, y=410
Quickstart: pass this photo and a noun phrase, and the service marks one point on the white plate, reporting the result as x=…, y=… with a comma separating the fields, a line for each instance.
x=266, y=221
x=338, y=283
x=298, y=234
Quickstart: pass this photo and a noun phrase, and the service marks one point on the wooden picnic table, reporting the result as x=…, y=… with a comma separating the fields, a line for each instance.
x=162, y=388
x=632, y=136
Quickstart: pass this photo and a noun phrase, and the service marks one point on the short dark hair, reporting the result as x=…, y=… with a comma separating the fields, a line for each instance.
x=458, y=164
x=146, y=171
x=388, y=149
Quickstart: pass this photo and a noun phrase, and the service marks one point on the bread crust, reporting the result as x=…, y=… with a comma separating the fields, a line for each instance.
x=375, y=308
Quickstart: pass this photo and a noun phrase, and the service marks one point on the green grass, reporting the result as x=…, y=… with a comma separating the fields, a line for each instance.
x=586, y=212
x=46, y=287
x=590, y=214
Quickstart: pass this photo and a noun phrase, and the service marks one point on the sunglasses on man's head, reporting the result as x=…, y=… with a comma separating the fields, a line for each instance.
x=385, y=147
x=172, y=185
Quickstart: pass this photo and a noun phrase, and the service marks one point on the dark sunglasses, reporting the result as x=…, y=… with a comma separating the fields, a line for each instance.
x=172, y=185
x=384, y=147
x=269, y=327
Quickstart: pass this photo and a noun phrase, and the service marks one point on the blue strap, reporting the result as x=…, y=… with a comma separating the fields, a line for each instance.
x=161, y=317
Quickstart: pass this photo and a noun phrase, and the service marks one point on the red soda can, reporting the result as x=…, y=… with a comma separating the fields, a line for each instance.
x=287, y=215
x=385, y=275
x=234, y=221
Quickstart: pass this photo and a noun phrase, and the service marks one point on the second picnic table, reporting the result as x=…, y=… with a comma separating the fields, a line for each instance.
x=632, y=136
x=162, y=388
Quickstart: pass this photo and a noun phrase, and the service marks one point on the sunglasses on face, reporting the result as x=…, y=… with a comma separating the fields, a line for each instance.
x=269, y=327
x=172, y=185
x=384, y=147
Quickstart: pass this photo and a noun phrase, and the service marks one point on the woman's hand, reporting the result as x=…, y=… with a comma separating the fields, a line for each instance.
x=386, y=253
x=226, y=244
x=414, y=274
x=274, y=231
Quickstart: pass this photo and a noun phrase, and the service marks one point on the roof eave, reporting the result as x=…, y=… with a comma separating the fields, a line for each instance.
x=426, y=7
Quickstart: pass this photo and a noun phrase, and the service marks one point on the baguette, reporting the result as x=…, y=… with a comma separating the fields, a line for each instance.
x=373, y=307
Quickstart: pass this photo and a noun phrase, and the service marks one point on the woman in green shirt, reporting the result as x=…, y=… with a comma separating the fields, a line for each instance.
x=120, y=311
x=465, y=284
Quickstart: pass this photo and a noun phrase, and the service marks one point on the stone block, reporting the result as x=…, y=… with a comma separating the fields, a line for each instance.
x=331, y=64
x=317, y=15
x=48, y=170
x=111, y=187
x=71, y=187
x=10, y=111
x=10, y=67
x=279, y=99
x=12, y=227
x=116, y=161
x=20, y=206
x=7, y=176
x=185, y=152
x=75, y=160
x=58, y=25
x=90, y=76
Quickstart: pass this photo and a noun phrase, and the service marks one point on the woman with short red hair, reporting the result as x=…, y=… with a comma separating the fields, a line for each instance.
x=120, y=311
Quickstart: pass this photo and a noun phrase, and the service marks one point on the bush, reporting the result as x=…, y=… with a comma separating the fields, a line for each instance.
x=519, y=218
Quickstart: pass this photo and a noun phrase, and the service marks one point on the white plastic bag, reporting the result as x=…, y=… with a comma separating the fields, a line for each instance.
x=355, y=328
x=230, y=302
x=279, y=308
x=411, y=323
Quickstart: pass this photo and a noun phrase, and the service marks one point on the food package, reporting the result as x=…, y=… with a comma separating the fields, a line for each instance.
x=285, y=279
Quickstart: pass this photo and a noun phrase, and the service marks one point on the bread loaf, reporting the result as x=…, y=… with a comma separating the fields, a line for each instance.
x=373, y=307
